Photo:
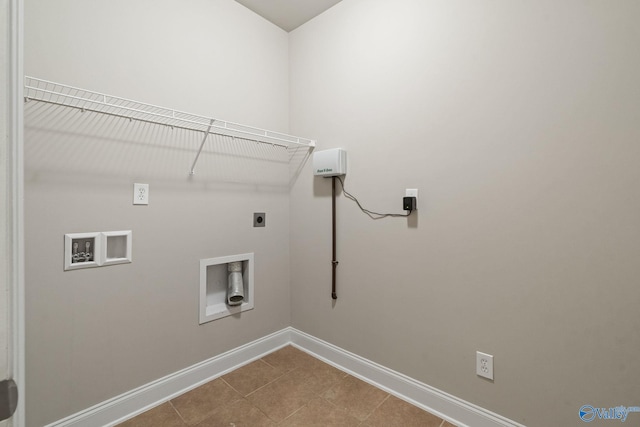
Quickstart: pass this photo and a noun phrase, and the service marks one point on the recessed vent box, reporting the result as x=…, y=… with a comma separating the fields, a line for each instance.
x=330, y=162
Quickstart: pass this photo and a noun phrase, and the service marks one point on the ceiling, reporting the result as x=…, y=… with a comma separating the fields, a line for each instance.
x=288, y=14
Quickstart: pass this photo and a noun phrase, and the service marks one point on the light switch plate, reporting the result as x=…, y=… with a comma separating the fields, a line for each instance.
x=140, y=194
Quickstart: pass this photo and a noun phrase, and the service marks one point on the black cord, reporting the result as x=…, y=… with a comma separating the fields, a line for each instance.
x=372, y=215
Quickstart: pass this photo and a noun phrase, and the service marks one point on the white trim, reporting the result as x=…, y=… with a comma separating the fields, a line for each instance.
x=97, y=257
x=130, y=404
x=213, y=302
x=134, y=402
x=124, y=257
x=16, y=187
x=444, y=405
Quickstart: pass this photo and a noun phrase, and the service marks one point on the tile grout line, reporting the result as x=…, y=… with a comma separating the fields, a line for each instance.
x=317, y=395
x=262, y=386
x=265, y=385
x=262, y=358
x=230, y=386
x=272, y=381
x=376, y=408
x=178, y=412
x=261, y=411
x=336, y=406
x=241, y=398
x=291, y=414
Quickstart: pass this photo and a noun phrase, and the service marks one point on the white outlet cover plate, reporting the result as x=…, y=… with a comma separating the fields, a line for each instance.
x=140, y=194
x=411, y=192
x=484, y=365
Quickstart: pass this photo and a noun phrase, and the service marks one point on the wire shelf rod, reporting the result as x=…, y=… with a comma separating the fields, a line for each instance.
x=226, y=126
x=155, y=122
x=86, y=100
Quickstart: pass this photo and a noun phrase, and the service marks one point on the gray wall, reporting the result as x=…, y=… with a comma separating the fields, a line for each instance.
x=93, y=334
x=518, y=123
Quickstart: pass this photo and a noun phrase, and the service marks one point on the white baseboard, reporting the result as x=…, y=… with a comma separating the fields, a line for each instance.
x=444, y=405
x=134, y=402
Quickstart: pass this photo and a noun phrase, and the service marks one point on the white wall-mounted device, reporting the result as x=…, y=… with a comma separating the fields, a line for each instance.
x=330, y=162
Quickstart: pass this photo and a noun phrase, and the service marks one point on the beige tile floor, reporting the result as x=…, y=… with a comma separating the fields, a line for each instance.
x=286, y=388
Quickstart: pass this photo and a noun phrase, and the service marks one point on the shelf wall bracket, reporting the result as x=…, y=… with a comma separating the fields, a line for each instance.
x=206, y=135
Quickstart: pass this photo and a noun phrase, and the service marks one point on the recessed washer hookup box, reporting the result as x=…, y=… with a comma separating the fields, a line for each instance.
x=330, y=162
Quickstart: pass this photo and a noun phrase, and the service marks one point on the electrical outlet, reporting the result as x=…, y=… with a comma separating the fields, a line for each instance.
x=140, y=194
x=412, y=192
x=484, y=365
x=259, y=219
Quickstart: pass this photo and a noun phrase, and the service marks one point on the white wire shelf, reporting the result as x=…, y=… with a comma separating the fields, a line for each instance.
x=86, y=100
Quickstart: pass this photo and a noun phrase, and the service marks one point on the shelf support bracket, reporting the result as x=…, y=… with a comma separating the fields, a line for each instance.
x=206, y=135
